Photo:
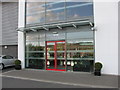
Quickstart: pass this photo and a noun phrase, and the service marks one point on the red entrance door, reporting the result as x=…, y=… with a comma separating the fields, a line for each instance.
x=55, y=55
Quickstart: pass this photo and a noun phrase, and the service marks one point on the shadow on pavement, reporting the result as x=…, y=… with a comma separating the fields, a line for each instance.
x=6, y=69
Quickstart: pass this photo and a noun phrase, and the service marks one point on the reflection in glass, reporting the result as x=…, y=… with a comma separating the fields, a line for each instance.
x=35, y=12
x=60, y=46
x=83, y=65
x=56, y=55
x=61, y=64
x=55, y=11
x=50, y=36
x=80, y=51
x=35, y=51
x=52, y=12
x=50, y=50
x=33, y=55
x=78, y=10
x=31, y=37
x=36, y=63
x=50, y=55
x=51, y=64
x=35, y=46
x=83, y=35
x=74, y=49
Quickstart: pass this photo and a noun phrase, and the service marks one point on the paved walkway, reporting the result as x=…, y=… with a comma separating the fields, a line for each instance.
x=69, y=78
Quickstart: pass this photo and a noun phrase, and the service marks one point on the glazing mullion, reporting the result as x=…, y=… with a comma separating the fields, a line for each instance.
x=66, y=49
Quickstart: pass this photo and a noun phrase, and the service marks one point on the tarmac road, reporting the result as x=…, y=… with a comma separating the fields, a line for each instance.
x=7, y=69
x=8, y=82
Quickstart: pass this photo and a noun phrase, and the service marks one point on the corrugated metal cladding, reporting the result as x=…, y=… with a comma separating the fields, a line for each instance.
x=0, y=24
x=9, y=23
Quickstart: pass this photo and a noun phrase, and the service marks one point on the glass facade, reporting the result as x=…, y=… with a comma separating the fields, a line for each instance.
x=35, y=50
x=65, y=50
x=53, y=12
x=78, y=10
x=80, y=51
x=35, y=12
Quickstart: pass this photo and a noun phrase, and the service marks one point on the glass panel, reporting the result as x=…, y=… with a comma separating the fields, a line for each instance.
x=31, y=46
x=32, y=36
x=35, y=12
x=84, y=35
x=50, y=64
x=78, y=10
x=50, y=46
x=35, y=50
x=41, y=36
x=73, y=3
x=61, y=55
x=83, y=65
x=36, y=63
x=61, y=64
x=36, y=55
x=55, y=35
x=50, y=55
x=80, y=51
x=61, y=46
x=56, y=55
x=35, y=46
x=55, y=11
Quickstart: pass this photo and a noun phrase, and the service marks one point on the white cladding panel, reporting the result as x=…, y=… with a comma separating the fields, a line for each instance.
x=106, y=36
x=21, y=23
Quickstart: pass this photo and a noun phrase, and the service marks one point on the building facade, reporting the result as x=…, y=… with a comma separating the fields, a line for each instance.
x=68, y=35
x=0, y=27
x=9, y=24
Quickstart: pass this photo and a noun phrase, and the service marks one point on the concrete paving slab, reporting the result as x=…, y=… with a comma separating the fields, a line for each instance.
x=76, y=78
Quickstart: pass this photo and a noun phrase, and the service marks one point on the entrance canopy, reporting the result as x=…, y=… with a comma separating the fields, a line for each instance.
x=60, y=25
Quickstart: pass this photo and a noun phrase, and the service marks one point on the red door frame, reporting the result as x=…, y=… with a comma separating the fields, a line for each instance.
x=55, y=56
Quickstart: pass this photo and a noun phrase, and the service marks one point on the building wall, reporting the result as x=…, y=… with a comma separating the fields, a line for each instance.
x=21, y=23
x=106, y=36
x=0, y=50
x=10, y=50
x=9, y=23
x=0, y=27
x=119, y=39
x=21, y=49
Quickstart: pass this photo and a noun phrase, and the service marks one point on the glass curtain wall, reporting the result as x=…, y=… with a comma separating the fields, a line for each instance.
x=46, y=12
x=78, y=10
x=55, y=11
x=79, y=54
x=35, y=50
x=69, y=49
x=35, y=12
x=80, y=51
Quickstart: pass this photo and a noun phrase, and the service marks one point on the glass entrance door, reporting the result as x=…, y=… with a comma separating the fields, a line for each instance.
x=55, y=55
